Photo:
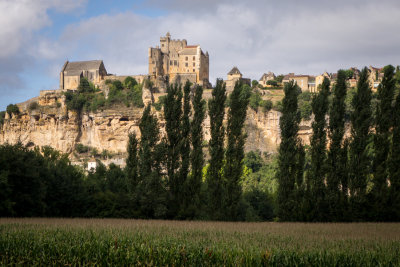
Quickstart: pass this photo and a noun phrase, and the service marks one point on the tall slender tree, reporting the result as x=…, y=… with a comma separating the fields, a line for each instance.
x=194, y=181
x=317, y=174
x=336, y=171
x=384, y=120
x=239, y=100
x=287, y=159
x=173, y=119
x=360, y=160
x=185, y=151
x=132, y=162
x=150, y=188
x=216, y=111
x=394, y=170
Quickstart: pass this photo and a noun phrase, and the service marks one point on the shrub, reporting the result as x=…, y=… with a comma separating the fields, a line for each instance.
x=160, y=103
x=33, y=106
x=255, y=100
x=272, y=82
x=130, y=82
x=81, y=148
x=117, y=85
x=266, y=105
x=12, y=109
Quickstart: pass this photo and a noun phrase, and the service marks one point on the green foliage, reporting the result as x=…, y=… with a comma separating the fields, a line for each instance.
x=278, y=106
x=80, y=148
x=255, y=100
x=273, y=82
x=12, y=109
x=305, y=105
x=279, y=78
x=349, y=73
x=254, y=83
x=253, y=160
x=160, y=103
x=2, y=116
x=33, y=106
x=288, y=153
x=360, y=160
x=130, y=82
x=215, y=185
x=337, y=173
x=266, y=105
x=239, y=99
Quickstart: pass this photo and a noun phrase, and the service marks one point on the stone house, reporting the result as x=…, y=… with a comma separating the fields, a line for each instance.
x=306, y=83
x=375, y=76
x=233, y=76
x=72, y=72
x=270, y=76
x=176, y=61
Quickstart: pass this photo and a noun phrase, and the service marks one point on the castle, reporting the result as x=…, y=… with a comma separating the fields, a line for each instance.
x=175, y=61
x=72, y=72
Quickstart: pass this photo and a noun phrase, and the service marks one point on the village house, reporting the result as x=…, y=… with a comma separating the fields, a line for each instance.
x=375, y=76
x=306, y=83
x=270, y=76
x=233, y=76
x=175, y=61
x=72, y=72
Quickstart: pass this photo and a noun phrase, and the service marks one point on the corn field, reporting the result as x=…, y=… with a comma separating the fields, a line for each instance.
x=181, y=243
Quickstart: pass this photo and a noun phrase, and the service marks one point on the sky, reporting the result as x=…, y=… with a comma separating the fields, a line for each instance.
x=257, y=36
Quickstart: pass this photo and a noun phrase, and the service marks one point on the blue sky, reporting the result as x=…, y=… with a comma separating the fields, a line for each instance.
x=258, y=36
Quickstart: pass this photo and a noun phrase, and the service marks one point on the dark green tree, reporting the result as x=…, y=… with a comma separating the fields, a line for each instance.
x=185, y=151
x=394, y=163
x=150, y=189
x=384, y=122
x=216, y=111
x=288, y=154
x=360, y=160
x=194, y=181
x=336, y=170
x=317, y=173
x=131, y=168
x=239, y=100
x=173, y=121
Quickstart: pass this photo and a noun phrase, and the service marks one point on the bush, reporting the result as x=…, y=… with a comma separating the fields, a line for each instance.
x=130, y=82
x=278, y=106
x=160, y=103
x=305, y=105
x=266, y=105
x=12, y=109
x=272, y=83
x=117, y=85
x=254, y=83
x=81, y=148
x=255, y=99
x=33, y=106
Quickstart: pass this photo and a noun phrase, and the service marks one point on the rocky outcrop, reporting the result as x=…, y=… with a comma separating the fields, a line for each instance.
x=53, y=125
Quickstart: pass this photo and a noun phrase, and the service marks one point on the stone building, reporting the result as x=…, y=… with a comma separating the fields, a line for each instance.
x=270, y=76
x=305, y=82
x=175, y=61
x=72, y=72
x=233, y=76
x=375, y=76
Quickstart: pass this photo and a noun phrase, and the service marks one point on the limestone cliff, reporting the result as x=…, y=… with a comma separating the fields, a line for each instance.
x=53, y=125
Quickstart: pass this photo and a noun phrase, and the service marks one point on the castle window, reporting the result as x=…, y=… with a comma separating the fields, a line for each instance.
x=194, y=64
x=186, y=58
x=194, y=58
x=162, y=45
x=175, y=62
x=186, y=64
x=170, y=62
x=193, y=70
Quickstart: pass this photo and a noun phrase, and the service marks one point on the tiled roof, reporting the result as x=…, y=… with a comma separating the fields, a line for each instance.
x=76, y=68
x=234, y=70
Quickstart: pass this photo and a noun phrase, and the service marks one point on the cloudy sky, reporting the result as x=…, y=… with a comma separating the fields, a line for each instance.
x=305, y=37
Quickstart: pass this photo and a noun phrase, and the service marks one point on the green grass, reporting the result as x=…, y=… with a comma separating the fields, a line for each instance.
x=177, y=243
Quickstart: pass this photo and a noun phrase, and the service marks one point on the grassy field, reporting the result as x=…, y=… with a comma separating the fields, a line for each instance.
x=177, y=243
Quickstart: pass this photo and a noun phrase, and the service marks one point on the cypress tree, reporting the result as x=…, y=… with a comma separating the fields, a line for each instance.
x=196, y=157
x=150, y=189
x=384, y=117
x=317, y=173
x=394, y=170
x=239, y=100
x=216, y=106
x=361, y=120
x=132, y=162
x=185, y=150
x=173, y=118
x=337, y=172
x=287, y=159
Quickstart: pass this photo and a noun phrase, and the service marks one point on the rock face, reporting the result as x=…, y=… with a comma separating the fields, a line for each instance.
x=53, y=125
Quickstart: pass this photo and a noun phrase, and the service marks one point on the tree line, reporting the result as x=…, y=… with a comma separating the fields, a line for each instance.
x=166, y=175
x=342, y=177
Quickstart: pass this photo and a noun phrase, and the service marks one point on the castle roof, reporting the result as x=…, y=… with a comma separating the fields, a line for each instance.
x=75, y=68
x=234, y=70
x=189, y=50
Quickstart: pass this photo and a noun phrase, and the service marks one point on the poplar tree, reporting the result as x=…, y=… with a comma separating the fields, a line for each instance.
x=216, y=111
x=150, y=188
x=132, y=162
x=317, y=173
x=239, y=100
x=196, y=157
x=288, y=153
x=185, y=150
x=337, y=172
x=173, y=118
x=384, y=120
x=360, y=161
x=394, y=170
